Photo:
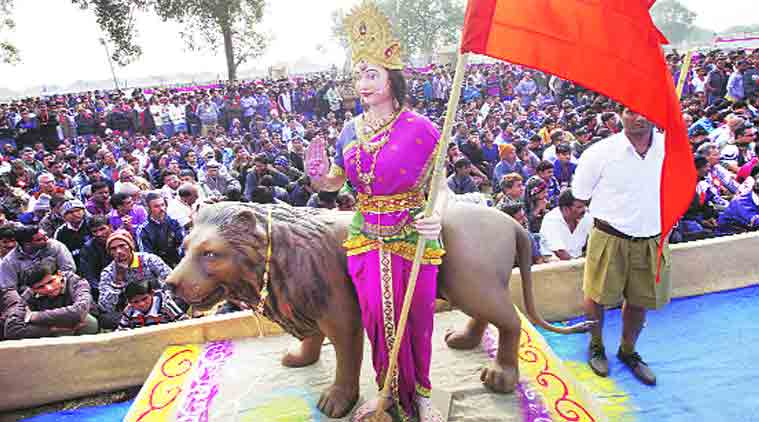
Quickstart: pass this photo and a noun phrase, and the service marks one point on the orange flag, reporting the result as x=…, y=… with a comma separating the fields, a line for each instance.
x=609, y=46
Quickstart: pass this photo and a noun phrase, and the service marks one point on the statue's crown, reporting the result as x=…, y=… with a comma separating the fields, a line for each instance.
x=371, y=37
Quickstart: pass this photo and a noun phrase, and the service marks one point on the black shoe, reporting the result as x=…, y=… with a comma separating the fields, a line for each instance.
x=639, y=368
x=597, y=360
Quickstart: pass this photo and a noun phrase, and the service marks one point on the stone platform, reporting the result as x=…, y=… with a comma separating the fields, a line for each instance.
x=243, y=380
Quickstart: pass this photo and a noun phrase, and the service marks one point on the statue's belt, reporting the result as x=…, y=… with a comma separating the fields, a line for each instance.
x=390, y=203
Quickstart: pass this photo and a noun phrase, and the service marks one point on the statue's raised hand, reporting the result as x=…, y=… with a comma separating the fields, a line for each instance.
x=317, y=161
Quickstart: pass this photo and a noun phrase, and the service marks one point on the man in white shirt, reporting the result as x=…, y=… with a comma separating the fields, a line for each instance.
x=184, y=207
x=565, y=229
x=699, y=80
x=622, y=176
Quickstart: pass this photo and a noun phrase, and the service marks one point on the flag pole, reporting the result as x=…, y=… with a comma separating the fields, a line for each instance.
x=684, y=73
x=438, y=173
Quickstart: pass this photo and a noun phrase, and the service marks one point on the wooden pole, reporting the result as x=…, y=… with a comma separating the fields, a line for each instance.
x=439, y=159
x=684, y=74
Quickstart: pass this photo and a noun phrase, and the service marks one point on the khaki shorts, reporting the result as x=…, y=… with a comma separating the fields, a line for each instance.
x=616, y=268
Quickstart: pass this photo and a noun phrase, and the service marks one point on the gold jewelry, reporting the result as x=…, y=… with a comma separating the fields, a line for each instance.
x=365, y=144
x=265, y=284
x=336, y=171
x=371, y=37
x=377, y=125
x=373, y=149
x=258, y=311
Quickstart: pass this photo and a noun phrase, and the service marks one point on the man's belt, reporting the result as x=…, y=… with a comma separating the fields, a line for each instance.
x=390, y=203
x=608, y=229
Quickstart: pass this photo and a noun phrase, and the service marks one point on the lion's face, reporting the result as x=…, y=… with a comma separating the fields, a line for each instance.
x=206, y=273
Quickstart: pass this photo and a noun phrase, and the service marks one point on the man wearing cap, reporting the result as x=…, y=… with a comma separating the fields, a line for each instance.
x=282, y=165
x=39, y=210
x=33, y=246
x=52, y=303
x=128, y=267
x=621, y=176
x=76, y=231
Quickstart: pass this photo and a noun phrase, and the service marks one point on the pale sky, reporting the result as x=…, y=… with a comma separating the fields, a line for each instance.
x=59, y=45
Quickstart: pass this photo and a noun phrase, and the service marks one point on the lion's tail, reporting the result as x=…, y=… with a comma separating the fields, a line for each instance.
x=524, y=260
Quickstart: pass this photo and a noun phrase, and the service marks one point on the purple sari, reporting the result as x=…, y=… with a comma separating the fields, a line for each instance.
x=382, y=242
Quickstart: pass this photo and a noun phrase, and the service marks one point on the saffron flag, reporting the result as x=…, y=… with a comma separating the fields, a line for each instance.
x=609, y=46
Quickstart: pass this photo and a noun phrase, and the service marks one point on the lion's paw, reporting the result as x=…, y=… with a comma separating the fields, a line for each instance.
x=336, y=402
x=500, y=379
x=295, y=359
x=462, y=339
x=307, y=354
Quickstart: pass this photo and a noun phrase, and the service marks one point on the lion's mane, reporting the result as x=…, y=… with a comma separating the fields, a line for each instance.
x=304, y=255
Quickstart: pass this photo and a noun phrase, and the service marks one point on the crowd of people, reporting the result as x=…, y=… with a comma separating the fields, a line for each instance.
x=98, y=189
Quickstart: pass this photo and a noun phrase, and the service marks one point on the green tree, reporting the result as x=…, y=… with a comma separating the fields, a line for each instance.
x=422, y=26
x=674, y=20
x=209, y=25
x=8, y=52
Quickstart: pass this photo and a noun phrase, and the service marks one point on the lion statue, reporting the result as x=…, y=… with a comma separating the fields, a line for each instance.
x=311, y=296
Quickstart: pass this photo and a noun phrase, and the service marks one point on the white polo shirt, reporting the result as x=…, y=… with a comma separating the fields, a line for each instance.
x=623, y=187
x=555, y=234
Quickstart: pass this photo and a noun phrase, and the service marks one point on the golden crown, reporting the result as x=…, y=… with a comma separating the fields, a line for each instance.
x=371, y=37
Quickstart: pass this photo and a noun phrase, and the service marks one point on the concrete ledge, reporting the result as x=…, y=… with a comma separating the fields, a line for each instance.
x=40, y=371
x=700, y=267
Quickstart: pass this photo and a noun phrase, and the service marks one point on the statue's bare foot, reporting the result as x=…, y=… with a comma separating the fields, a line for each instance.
x=465, y=339
x=427, y=412
x=500, y=379
x=367, y=410
x=337, y=401
x=307, y=354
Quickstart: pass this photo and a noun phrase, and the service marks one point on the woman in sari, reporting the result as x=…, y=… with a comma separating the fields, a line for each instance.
x=387, y=154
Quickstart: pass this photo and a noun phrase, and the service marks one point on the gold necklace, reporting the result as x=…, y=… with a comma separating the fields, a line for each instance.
x=364, y=135
x=368, y=178
x=377, y=125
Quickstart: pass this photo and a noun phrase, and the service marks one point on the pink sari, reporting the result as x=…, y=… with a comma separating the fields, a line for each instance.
x=381, y=247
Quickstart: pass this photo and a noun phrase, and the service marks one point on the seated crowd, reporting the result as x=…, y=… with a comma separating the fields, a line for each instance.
x=99, y=189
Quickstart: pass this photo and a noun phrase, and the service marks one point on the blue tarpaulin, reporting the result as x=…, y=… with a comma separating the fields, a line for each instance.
x=111, y=413
x=703, y=350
